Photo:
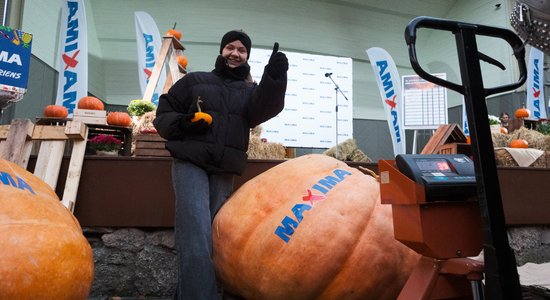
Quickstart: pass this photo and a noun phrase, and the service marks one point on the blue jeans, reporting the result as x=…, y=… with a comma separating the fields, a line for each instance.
x=199, y=195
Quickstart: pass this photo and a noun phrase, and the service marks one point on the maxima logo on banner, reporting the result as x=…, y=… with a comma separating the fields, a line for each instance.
x=535, y=89
x=73, y=64
x=387, y=79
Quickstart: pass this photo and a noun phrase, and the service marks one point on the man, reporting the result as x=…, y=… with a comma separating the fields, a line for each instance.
x=208, y=156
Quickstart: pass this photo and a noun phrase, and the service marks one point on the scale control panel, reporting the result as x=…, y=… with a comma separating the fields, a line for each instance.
x=445, y=177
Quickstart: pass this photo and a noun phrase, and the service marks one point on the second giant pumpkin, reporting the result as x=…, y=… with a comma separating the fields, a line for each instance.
x=43, y=253
x=310, y=228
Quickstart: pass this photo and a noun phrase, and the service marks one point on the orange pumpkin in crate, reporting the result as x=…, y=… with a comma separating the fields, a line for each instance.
x=56, y=111
x=310, y=228
x=119, y=118
x=43, y=253
x=89, y=102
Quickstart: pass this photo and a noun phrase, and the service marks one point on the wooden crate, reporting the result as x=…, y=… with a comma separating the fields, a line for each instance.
x=455, y=148
x=150, y=144
x=122, y=133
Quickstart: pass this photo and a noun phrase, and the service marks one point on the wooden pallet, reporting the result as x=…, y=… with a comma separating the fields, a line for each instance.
x=150, y=145
x=18, y=139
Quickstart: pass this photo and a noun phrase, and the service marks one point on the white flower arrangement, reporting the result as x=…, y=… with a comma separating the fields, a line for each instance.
x=494, y=120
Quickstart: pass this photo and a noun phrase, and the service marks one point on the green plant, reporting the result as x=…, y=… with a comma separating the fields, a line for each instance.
x=138, y=107
x=103, y=142
x=493, y=120
x=544, y=128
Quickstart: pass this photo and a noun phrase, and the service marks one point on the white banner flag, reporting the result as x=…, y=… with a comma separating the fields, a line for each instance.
x=148, y=46
x=73, y=55
x=389, y=85
x=535, y=86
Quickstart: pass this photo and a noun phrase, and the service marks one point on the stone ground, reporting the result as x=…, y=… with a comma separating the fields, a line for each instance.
x=132, y=263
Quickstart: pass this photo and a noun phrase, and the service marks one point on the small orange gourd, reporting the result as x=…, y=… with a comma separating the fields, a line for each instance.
x=518, y=143
x=182, y=61
x=89, y=102
x=56, y=111
x=119, y=118
x=201, y=115
x=522, y=113
x=173, y=32
x=503, y=130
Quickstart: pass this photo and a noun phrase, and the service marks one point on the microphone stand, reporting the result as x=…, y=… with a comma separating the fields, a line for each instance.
x=336, y=90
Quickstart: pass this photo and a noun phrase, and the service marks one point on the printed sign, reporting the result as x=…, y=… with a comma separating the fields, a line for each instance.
x=309, y=116
x=425, y=103
x=15, y=58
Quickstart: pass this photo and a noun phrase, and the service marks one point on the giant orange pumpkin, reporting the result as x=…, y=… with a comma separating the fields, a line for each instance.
x=89, y=102
x=119, y=118
x=43, y=253
x=309, y=228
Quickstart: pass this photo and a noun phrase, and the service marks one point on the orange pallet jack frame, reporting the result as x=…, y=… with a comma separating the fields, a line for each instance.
x=446, y=234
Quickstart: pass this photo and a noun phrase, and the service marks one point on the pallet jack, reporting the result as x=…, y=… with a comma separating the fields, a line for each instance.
x=448, y=207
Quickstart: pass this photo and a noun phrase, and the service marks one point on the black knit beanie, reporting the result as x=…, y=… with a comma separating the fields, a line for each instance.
x=234, y=35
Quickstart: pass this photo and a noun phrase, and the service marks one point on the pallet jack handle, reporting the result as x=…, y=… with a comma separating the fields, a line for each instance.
x=501, y=277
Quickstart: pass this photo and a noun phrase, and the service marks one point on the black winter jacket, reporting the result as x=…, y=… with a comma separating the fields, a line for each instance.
x=235, y=107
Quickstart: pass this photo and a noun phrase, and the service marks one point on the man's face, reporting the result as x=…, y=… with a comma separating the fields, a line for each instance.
x=235, y=53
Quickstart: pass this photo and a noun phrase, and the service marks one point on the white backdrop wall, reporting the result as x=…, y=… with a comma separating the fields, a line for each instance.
x=309, y=117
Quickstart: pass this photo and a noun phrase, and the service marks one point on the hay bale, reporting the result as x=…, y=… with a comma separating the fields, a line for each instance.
x=143, y=122
x=259, y=148
x=348, y=151
x=504, y=159
x=535, y=139
x=500, y=140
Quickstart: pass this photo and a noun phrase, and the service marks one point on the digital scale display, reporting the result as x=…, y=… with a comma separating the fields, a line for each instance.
x=435, y=165
x=444, y=176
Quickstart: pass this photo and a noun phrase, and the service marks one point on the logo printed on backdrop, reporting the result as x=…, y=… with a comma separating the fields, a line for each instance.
x=535, y=91
x=73, y=65
x=389, y=86
x=290, y=224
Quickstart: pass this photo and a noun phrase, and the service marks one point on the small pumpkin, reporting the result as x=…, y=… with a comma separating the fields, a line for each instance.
x=309, y=228
x=522, y=113
x=182, y=61
x=119, y=118
x=173, y=32
x=43, y=253
x=56, y=111
x=503, y=130
x=89, y=102
x=518, y=143
x=201, y=115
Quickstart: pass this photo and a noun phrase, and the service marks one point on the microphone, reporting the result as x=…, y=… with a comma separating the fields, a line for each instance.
x=328, y=74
